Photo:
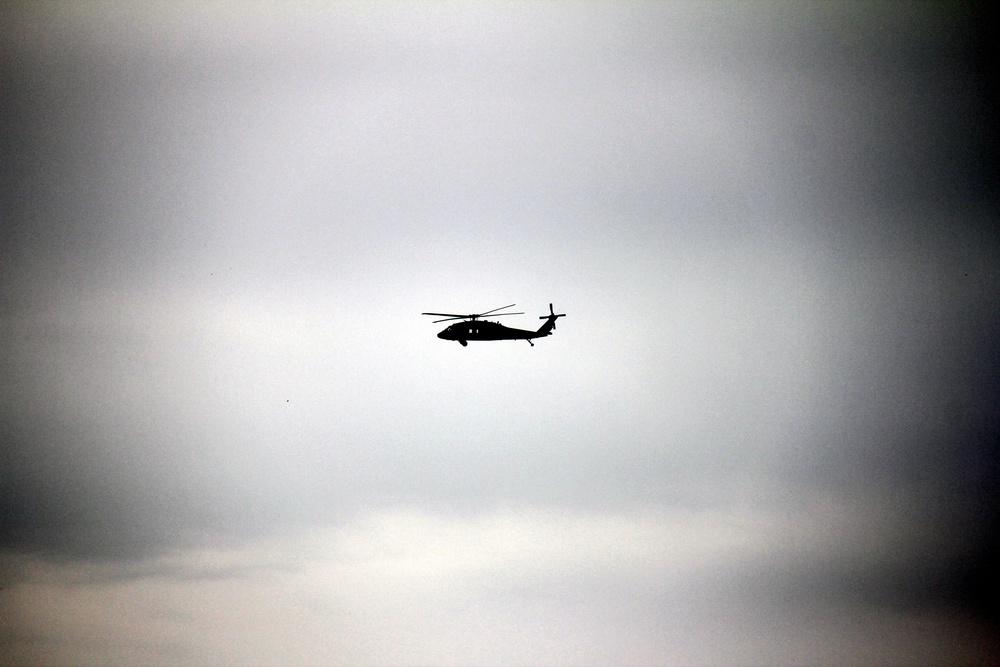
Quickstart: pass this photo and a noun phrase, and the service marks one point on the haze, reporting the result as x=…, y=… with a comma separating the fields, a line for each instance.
x=765, y=432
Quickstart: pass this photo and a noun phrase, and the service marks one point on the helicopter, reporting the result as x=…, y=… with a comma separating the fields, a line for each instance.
x=473, y=328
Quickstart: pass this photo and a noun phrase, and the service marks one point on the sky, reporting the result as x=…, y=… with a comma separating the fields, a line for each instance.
x=765, y=433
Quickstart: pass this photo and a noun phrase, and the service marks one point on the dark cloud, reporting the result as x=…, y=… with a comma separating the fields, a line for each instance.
x=899, y=111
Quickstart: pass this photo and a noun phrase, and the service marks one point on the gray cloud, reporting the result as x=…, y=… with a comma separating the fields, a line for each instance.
x=770, y=228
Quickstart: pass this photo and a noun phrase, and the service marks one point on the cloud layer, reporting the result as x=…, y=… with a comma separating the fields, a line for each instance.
x=764, y=432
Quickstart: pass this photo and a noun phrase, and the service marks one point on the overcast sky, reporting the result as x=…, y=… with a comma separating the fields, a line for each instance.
x=765, y=432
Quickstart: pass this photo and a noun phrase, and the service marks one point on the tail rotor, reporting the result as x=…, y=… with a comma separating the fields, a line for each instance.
x=552, y=316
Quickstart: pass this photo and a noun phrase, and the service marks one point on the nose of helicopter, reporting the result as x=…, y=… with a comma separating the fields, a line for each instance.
x=441, y=335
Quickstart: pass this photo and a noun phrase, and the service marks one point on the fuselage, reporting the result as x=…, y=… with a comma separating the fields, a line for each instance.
x=484, y=330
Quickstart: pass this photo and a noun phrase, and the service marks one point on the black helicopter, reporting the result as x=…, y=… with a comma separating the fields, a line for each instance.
x=475, y=329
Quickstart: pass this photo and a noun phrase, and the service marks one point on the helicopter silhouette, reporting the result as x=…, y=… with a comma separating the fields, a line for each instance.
x=473, y=328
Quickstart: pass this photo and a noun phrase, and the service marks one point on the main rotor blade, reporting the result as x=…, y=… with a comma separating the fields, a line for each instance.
x=472, y=316
x=469, y=317
x=496, y=309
